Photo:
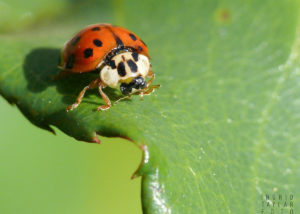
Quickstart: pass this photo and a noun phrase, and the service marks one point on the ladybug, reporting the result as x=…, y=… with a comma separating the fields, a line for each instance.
x=119, y=55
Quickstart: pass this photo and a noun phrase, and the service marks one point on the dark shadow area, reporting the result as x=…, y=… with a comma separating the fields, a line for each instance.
x=40, y=69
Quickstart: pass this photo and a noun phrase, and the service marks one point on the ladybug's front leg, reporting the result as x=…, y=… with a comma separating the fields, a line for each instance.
x=122, y=98
x=105, y=98
x=92, y=85
x=149, y=88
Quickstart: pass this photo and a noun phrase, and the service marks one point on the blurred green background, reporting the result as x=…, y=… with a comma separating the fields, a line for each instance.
x=43, y=173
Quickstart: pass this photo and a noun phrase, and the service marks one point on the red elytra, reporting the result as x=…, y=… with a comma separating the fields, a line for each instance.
x=88, y=48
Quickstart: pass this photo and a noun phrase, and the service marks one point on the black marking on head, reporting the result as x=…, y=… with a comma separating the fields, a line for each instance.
x=70, y=61
x=143, y=43
x=97, y=42
x=116, y=51
x=132, y=37
x=123, y=58
x=140, y=48
x=121, y=69
x=112, y=64
x=88, y=52
x=132, y=66
x=75, y=40
x=95, y=28
x=135, y=56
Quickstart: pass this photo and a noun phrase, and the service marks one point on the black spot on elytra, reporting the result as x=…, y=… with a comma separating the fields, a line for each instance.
x=135, y=56
x=75, y=40
x=70, y=61
x=88, y=52
x=143, y=43
x=121, y=69
x=132, y=66
x=95, y=28
x=112, y=64
x=97, y=42
x=140, y=48
x=118, y=41
x=132, y=37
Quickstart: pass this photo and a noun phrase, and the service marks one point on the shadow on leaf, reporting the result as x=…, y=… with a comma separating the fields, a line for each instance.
x=40, y=68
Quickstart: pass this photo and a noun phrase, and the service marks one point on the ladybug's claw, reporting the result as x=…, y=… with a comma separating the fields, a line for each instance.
x=103, y=108
x=71, y=107
x=122, y=98
x=142, y=95
x=150, y=89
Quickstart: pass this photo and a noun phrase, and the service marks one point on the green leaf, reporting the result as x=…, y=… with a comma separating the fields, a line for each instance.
x=223, y=129
x=15, y=15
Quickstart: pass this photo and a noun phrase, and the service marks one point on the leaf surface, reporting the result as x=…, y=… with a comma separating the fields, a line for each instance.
x=222, y=131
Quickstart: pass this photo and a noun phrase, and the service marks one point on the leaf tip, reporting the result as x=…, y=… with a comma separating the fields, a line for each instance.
x=145, y=160
x=95, y=139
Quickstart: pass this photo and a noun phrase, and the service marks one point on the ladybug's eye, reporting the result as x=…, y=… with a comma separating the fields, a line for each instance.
x=139, y=83
x=136, y=83
x=125, y=88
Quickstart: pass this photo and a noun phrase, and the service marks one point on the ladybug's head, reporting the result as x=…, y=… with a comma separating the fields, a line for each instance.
x=128, y=68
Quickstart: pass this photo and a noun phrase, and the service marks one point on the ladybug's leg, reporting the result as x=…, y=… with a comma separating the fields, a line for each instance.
x=92, y=85
x=149, y=88
x=105, y=98
x=152, y=75
x=122, y=98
